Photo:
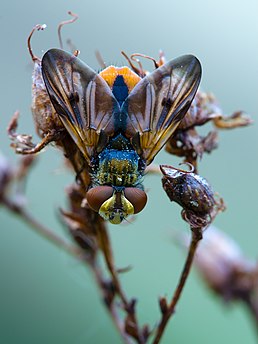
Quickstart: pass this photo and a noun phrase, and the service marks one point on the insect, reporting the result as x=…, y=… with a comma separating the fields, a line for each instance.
x=119, y=121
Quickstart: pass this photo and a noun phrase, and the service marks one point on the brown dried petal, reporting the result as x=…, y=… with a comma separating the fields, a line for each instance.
x=236, y=120
x=192, y=145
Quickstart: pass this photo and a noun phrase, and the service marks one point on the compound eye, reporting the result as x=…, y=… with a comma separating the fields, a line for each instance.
x=98, y=195
x=137, y=197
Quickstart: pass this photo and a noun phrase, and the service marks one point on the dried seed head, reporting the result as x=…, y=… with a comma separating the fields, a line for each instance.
x=188, y=189
x=205, y=108
x=191, y=145
x=44, y=115
x=193, y=193
x=224, y=267
x=187, y=142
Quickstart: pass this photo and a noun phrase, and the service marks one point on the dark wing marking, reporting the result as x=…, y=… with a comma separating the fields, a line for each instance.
x=81, y=98
x=158, y=103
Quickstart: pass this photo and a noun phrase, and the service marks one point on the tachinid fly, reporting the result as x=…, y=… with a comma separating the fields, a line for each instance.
x=119, y=121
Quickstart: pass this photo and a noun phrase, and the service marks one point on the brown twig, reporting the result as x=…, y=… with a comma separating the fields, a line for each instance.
x=130, y=325
x=65, y=22
x=168, y=310
x=112, y=307
x=42, y=230
x=36, y=27
x=252, y=306
x=75, y=252
x=108, y=255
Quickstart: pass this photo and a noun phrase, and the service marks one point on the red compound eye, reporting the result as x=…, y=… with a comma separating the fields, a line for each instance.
x=137, y=197
x=98, y=195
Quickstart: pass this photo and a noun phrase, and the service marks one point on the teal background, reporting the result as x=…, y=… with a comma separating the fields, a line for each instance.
x=46, y=296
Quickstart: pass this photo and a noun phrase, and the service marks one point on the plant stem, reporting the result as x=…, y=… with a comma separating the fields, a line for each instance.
x=42, y=230
x=196, y=237
x=252, y=306
x=108, y=255
x=98, y=274
x=74, y=251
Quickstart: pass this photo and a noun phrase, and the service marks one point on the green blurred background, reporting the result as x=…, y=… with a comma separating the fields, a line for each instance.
x=46, y=296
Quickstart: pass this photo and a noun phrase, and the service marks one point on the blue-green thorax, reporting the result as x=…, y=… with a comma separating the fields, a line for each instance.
x=118, y=164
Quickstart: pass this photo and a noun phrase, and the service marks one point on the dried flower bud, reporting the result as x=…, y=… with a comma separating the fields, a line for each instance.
x=44, y=115
x=224, y=267
x=20, y=142
x=131, y=326
x=187, y=142
x=201, y=111
x=163, y=305
x=205, y=108
x=193, y=193
x=191, y=145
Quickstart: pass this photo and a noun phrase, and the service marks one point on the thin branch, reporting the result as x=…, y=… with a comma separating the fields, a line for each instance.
x=75, y=252
x=252, y=306
x=108, y=255
x=98, y=274
x=131, y=325
x=37, y=27
x=42, y=230
x=168, y=310
x=70, y=21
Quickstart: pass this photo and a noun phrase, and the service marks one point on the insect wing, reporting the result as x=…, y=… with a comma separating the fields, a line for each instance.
x=81, y=98
x=158, y=103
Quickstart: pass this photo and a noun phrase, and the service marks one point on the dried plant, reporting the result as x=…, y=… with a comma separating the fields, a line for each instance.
x=200, y=205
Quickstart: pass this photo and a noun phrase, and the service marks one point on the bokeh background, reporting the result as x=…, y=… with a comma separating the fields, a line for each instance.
x=46, y=296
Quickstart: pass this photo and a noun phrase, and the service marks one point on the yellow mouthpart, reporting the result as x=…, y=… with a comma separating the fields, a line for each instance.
x=115, y=214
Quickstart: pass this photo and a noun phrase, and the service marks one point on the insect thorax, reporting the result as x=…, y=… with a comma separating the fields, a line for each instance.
x=118, y=164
